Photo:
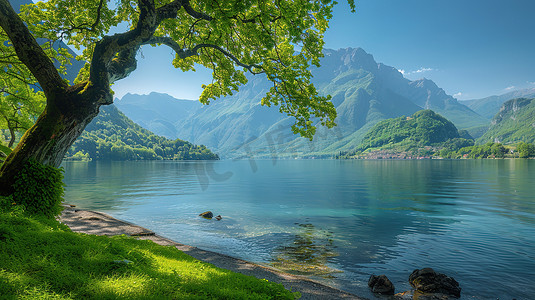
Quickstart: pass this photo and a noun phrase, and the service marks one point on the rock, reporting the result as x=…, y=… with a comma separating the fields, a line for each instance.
x=381, y=285
x=218, y=217
x=207, y=215
x=428, y=281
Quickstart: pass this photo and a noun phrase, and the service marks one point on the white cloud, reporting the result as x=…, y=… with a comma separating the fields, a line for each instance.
x=419, y=71
x=531, y=82
x=458, y=95
x=422, y=70
x=510, y=88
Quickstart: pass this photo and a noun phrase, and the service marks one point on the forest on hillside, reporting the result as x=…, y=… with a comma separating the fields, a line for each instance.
x=112, y=136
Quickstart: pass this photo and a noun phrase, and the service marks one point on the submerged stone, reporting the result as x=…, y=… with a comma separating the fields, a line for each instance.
x=207, y=215
x=381, y=285
x=428, y=281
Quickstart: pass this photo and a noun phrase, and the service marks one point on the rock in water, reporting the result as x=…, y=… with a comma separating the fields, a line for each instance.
x=428, y=281
x=381, y=285
x=207, y=215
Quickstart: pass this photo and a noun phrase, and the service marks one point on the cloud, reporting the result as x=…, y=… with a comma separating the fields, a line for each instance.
x=510, y=88
x=458, y=95
x=419, y=71
x=531, y=82
x=422, y=70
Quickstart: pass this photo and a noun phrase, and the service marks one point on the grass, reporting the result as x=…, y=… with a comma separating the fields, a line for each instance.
x=42, y=259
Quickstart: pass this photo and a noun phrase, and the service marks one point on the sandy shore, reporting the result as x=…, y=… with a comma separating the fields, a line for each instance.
x=97, y=223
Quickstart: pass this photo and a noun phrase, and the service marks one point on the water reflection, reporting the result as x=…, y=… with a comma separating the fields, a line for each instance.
x=467, y=219
x=110, y=186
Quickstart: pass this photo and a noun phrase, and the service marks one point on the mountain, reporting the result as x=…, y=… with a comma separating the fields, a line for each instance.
x=489, y=106
x=423, y=128
x=515, y=122
x=112, y=136
x=157, y=112
x=364, y=92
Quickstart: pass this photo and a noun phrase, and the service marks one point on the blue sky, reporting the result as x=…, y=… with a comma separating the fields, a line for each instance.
x=470, y=48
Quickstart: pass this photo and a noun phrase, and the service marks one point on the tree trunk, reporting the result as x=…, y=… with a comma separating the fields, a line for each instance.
x=52, y=135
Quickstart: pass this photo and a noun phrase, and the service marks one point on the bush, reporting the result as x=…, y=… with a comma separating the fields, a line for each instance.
x=39, y=189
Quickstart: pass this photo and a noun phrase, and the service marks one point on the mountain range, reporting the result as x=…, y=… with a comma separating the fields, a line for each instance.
x=488, y=107
x=363, y=91
x=515, y=122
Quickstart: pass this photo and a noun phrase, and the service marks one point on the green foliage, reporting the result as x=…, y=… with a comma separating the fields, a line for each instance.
x=423, y=128
x=39, y=189
x=21, y=102
x=4, y=152
x=525, y=150
x=280, y=39
x=514, y=123
x=112, y=136
x=489, y=150
x=43, y=259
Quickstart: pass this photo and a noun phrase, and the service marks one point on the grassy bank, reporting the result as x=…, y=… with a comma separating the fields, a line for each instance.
x=42, y=258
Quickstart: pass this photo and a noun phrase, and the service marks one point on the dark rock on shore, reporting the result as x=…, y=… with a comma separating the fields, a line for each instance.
x=381, y=285
x=428, y=281
x=207, y=215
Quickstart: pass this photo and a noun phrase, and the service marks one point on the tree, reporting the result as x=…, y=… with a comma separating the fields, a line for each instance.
x=20, y=104
x=525, y=150
x=280, y=39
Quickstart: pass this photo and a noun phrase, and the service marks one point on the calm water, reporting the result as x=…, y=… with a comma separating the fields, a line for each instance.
x=470, y=219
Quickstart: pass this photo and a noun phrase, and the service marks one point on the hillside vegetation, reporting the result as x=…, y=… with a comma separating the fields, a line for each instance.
x=112, y=136
x=426, y=134
x=488, y=107
x=363, y=91
x=515, y=122
x=423, y=128
x=423, y=134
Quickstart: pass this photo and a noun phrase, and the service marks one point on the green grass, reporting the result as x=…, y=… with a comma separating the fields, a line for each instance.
x=43, y=259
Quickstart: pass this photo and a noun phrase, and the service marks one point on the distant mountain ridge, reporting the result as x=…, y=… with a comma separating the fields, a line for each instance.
x=515, y=122
x=157, y=112
x=364, y=92
x=489, y=106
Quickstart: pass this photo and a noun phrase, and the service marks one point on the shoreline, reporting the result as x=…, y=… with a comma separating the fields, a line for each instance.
x=97, y=223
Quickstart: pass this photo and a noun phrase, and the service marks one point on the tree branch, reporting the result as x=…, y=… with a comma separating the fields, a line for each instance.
x=185, y=53
x=123, y=64
x=195, y=14
x=169, y=10
x=110, y=47
x=114, y=56
x=28, y=50
x=85, y=26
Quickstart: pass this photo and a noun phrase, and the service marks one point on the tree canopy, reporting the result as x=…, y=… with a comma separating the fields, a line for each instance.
x=279, y=39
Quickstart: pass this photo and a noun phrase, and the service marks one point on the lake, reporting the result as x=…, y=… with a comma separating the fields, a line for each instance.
x=338, y=221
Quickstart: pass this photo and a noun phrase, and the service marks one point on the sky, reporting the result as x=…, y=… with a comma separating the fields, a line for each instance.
x=470, y=48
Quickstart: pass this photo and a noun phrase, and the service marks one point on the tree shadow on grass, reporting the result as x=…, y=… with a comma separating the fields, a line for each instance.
x=44, y=259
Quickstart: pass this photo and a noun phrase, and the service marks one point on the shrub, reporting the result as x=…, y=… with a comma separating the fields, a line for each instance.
x=39, y=189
